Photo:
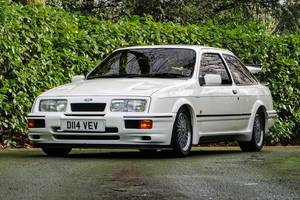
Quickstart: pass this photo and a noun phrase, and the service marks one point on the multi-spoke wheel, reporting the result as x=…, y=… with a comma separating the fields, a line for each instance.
x=56, y=152
x=182, y=133
x=258, y=135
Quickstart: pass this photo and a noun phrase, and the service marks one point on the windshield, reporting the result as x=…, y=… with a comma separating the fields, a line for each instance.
x=147, y=62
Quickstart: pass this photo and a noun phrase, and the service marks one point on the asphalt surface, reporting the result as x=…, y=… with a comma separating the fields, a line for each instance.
x=209, y=173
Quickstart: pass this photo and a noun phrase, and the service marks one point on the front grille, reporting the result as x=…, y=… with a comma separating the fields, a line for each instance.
x=88, y=107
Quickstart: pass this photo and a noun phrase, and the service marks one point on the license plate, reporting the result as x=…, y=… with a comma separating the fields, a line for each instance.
x=83, y=125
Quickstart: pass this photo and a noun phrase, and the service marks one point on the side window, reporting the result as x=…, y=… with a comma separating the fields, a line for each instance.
x=212, y=63
x=240, y=74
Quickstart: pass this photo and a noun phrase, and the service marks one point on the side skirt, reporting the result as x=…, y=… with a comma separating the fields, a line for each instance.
x=218, y=138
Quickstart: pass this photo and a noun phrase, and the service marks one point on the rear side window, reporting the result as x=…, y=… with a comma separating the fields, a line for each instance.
x=212, y=63
x=240, y=73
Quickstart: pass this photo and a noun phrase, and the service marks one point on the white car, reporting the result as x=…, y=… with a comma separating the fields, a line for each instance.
x=155, y=98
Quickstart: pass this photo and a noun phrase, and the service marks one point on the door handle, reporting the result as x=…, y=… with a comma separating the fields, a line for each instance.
x=234, y=91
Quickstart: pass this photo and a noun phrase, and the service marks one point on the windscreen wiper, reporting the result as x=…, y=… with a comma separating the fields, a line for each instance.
x=155, y=75
x=169, y=75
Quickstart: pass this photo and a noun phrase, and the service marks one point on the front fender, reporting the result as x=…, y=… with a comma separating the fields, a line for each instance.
x=180, y=102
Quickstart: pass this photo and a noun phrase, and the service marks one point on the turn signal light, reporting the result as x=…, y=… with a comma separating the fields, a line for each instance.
x=30, y=123
x=36, y=123
x=146, y=124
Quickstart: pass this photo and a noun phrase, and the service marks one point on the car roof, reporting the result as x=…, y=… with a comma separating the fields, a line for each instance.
x=194, y=47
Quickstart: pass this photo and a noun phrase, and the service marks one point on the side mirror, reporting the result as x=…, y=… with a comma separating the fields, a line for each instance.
x=77, y=79
x=254, y=69
x=265, y=84
x=211, y=79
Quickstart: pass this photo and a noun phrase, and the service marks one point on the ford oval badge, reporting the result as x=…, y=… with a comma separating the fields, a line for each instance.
x=88, y=99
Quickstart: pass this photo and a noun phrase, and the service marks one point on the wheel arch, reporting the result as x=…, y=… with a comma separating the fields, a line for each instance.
x=259, y=107
x=184, y=103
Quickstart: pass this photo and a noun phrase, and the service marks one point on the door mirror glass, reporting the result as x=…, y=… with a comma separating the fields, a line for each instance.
x=212, y=79
x=76, y=79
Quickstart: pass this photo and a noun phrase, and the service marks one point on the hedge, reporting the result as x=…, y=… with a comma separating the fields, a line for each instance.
x=43, y=47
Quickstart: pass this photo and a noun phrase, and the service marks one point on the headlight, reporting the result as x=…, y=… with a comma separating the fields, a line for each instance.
x=53, y=105
x=128, y=105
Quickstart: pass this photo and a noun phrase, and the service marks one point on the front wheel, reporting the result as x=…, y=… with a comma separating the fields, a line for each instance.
x=56, y=152
x=182, y=134
x=258, y=135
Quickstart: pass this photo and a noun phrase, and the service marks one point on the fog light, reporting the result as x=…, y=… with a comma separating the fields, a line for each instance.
x=36, y=137
x=146, y=138
x=146, y=124
x=30, y=123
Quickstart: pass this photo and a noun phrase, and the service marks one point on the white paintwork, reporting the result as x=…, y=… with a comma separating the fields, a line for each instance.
x=164, y=98
x=116, y=86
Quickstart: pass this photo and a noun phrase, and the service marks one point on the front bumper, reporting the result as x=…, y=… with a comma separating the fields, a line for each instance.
x=115, y=134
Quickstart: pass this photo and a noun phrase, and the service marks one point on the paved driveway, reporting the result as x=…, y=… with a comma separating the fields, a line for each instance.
x=209, y=173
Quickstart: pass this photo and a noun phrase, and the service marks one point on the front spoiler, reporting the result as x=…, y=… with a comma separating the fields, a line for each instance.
x=106, y=146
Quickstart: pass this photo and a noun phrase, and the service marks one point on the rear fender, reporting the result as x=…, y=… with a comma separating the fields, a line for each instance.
x=258, y=104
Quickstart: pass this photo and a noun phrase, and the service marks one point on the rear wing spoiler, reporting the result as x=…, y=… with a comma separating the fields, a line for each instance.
x=254, y=69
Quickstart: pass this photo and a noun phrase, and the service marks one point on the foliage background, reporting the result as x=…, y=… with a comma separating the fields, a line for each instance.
x=42, y=47
x=281, y=16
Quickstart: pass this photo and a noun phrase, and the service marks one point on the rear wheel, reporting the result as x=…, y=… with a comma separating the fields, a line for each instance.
x=56, y=152
x=182, y=135
x=258, y=135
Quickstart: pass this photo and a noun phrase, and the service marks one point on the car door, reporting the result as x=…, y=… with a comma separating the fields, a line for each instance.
x=217, y=105
x=246, y=83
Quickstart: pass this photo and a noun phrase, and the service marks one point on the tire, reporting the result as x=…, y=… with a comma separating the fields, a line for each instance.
x=56, y=152
x=258, y=135
x=182, y=134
